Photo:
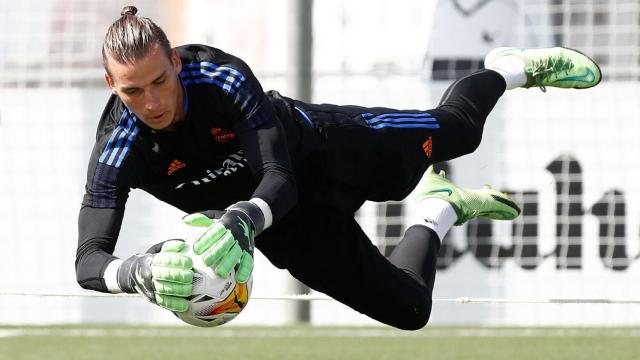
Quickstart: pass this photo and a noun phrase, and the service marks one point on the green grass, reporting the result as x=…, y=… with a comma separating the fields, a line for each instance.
x=301, y=342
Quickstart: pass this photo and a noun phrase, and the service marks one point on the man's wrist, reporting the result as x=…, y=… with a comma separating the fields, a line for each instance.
x=266, y=211
x=110, y=276
x=251, y=212
x=124, y=274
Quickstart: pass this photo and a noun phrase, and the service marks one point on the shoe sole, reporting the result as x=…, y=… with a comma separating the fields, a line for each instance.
x=503, y=215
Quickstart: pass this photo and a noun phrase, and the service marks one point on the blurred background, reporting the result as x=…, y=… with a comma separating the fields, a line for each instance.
x=570, y=157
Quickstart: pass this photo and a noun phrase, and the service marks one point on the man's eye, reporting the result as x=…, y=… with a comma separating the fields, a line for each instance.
x=160, y=81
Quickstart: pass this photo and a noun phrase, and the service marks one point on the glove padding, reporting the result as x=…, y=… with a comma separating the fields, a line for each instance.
x=228, y=241
x=163, y=278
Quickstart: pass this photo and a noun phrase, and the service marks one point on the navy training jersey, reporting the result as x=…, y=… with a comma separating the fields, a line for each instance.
x=234, y=144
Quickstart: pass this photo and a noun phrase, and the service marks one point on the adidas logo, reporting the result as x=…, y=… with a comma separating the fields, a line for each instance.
x=427, y=146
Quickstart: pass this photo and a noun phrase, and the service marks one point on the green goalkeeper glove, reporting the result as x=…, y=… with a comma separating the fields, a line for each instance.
x=228, y=241
x=163, y=278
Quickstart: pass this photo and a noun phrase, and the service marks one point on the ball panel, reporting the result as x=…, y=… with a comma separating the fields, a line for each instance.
x=214, y=300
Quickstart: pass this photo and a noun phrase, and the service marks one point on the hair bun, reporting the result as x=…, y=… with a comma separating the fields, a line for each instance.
x=129, y=10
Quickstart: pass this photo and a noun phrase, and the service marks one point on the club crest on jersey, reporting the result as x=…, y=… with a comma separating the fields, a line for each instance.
x=175, y=166
x=221, y=135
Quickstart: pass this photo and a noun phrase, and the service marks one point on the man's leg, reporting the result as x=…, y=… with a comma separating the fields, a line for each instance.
x=466, y=104
x=381, y=153
x=455, y=127
x=440, y=205
x=462, y=112
x=329, y=252
x=325, y=248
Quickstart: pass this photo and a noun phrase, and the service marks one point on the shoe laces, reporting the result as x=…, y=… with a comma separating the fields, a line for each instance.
x=542, y=70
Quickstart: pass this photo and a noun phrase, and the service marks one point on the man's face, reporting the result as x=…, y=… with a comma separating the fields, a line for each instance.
x=149, y=87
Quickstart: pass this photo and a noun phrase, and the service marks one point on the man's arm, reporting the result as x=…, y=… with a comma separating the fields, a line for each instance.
x=103, y=204
x=230, y=240
x=268, y=156
x=238, y=100
x=163, y=278
x=264, y=142
x=98, y=230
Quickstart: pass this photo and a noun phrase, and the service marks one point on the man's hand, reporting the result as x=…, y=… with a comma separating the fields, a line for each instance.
x=230, y=240
x=163, y=278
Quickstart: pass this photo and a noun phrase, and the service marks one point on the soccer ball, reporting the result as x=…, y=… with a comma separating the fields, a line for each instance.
x=214, y=300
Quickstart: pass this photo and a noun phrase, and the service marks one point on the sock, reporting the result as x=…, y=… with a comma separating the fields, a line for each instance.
x=436, y=214
x=512, y=70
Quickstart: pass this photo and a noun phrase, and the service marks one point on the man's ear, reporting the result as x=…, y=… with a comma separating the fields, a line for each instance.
x=177, y=62
x=109, y=81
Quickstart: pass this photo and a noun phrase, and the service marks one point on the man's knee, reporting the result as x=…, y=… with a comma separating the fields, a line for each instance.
x=463, y=132
x=473, y=138
x=470, y=130
x=411, y=317
x=417, y=319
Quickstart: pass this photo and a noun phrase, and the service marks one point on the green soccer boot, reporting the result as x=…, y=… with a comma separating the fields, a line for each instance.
x=468, y=203
x=557, y=67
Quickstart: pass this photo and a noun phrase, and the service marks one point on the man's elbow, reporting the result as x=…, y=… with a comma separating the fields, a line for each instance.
x=88, y=276
x=82, y=276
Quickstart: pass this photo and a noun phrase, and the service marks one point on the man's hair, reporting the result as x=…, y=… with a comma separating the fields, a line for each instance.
x=132, y=37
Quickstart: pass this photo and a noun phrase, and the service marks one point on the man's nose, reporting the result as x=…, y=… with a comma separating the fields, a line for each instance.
x=152, y=101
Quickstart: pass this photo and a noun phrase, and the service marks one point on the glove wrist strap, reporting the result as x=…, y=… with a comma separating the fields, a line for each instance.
x=252, y=212
x=124, y=278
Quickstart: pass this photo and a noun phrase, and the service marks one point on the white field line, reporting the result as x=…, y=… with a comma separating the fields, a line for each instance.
x=316, y=297
x=317, y=332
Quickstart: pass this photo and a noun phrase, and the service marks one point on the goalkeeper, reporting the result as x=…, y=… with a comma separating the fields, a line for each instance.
x=192, y=126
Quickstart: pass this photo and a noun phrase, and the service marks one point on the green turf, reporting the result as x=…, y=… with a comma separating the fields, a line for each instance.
x=126, y=342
